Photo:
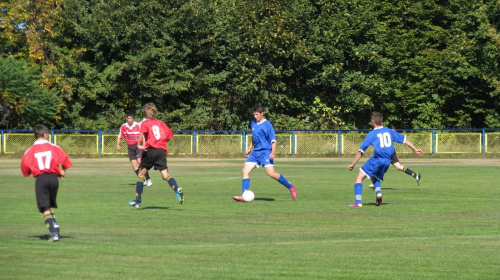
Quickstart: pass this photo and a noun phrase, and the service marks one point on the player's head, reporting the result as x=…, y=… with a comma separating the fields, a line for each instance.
x=258, y=113
x=377, y=118
x=41, y=131
x=130, y=118
x=258, y=109
x=149, y=111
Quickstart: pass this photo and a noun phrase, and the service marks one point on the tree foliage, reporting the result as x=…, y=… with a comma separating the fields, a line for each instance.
x=315, y=64
x=24, y=101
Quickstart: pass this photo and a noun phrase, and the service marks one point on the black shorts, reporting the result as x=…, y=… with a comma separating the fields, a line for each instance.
x=394, y=158
x=46, y=187
x=133, y=152
x=154, y=157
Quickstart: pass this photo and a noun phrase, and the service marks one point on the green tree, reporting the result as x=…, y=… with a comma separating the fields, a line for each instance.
x=24, y=101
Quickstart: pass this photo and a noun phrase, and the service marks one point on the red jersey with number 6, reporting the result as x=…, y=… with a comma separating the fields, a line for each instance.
x=44, y=157
x=157, y=133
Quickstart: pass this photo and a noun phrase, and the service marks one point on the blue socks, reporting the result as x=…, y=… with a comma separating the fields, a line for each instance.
x=284, y=182
x=50, y=222
x=139, y=186
x=358, y=189
x=377, y=187
x=245, y=185
x=173, y=183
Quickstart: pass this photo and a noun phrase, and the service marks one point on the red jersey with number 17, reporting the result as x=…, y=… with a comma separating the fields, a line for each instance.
x=157, y=133
x=44, y=157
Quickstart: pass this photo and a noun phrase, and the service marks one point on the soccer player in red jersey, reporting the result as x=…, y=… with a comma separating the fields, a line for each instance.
x=154, y=152
x=130, y=131
x=43, y=160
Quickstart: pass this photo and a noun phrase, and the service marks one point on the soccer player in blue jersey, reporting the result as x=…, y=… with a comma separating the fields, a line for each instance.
x=263, y=153
x=382, y=139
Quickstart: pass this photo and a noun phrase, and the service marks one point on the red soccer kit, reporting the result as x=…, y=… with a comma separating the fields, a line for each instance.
x=44, y=157
x=157, y=133
x=131, y=133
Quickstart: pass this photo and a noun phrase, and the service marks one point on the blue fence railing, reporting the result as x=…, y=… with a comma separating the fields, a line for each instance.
x=292, y=142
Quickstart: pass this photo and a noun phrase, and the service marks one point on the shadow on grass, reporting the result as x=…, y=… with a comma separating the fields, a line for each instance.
x=264, y=199
x=402, y=189
x=158, y=208
x=47, y=236
x=373, y=204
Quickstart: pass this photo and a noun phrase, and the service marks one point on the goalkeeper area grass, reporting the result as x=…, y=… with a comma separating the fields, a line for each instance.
x=446, y=228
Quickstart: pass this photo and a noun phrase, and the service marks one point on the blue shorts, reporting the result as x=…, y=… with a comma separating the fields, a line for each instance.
x=375, y=168
x=260, y=158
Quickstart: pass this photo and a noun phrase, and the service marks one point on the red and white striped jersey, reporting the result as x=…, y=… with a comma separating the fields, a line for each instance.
x=131, y=133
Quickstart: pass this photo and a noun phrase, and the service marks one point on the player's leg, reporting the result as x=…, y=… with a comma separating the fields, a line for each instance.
x=148, y=181
x=251, y=163
x=139, y=188
x=44, y=198
x=135, y=166
x=358, y=189
x=281, y=179
x=50, y=223
x=173, y=184
x=378, y=175
x=160, y=163
x=408, y=171
x=245, y=178
x=56, y=224
x=378, y=190
x=135, y=155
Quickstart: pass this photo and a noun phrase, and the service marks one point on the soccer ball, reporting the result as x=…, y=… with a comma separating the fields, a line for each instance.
x=248, y=196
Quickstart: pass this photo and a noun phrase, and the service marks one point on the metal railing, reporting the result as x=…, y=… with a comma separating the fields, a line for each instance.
x=290, y=142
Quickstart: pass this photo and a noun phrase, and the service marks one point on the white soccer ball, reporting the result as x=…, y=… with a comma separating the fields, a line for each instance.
x=248, y=196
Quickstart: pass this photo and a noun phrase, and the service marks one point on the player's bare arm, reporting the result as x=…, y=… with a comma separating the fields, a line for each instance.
x=118, y=147
x=272, y=155
x=249, y=150
x=359, y=154
x=415, y=150
x=140, y=143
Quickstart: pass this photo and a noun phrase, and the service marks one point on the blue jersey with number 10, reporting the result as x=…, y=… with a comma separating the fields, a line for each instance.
x=382, y=139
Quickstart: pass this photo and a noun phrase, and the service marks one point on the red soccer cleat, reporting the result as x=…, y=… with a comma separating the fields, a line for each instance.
x=238, y=198
x=354, y=204
x=293, y=191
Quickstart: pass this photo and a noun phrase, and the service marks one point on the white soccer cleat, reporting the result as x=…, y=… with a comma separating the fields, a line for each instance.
x=149, y=183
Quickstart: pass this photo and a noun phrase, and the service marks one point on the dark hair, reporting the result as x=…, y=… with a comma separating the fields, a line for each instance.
x=378, y=118
x=130, y=114
x=258, y=108
x=40, y=130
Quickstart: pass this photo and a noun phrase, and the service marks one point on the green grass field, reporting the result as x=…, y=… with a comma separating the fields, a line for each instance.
x=446, y=228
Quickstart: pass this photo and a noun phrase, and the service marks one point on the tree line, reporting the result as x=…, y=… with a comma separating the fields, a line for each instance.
x=314, y=64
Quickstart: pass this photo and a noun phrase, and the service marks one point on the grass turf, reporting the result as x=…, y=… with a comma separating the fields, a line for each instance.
x=446, y=228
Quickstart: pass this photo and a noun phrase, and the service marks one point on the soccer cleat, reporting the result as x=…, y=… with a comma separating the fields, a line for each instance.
x=293, y=191
x=371, y=186
x=56, y=226
x=54, y=238
x=134, y=204
x=354, y=204
x=148, y=183
x=418, y=177
x=238, y=198
x=180, y=195
x=379, y=199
